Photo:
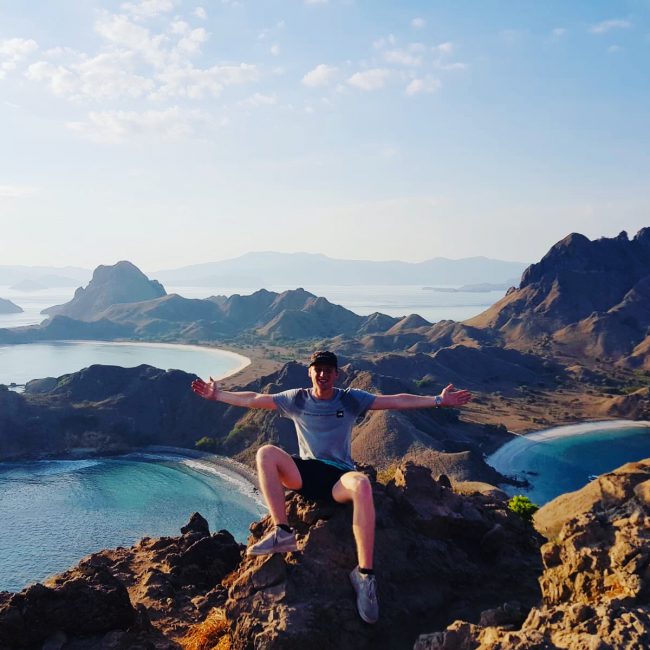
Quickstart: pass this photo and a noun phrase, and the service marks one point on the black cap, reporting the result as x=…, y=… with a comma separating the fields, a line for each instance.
x=324, y=358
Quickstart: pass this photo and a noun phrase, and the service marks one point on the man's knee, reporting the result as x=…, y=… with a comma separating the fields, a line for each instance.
x=267, y=454
x=361, y=487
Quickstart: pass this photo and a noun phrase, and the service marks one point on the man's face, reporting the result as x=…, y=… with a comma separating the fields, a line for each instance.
x=323, y=377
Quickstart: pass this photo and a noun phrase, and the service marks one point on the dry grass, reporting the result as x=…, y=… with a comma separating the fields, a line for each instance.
x=211, y=634
x=386, y=474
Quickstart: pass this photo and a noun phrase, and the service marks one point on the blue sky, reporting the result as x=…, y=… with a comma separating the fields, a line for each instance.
x=170, y=132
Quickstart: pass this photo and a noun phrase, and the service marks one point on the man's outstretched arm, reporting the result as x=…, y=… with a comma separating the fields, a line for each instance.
x=247, y=399
x=449, y=397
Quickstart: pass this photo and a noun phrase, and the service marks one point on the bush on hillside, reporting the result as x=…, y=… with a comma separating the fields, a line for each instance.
x=523, y=507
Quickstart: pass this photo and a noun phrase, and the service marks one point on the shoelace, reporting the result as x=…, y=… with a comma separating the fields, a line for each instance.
x=371, y=588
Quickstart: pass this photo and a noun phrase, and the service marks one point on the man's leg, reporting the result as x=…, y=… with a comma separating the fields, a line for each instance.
x=276, y=471
x=355, y=487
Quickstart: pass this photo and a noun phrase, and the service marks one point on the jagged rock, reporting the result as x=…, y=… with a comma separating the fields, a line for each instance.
x=430, y=562
x=196, y=524
x=596, y=582
x=81, y=602
x=142, y=597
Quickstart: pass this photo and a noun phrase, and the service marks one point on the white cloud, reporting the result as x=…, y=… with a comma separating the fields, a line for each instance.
x=425, y=85
x=258, y=99
x=418, y=23
x=321, y=75
x=442, y=52
x=17, y=48
x=614, y=48
x=381, y=43
x=607, y=25
x=369, y=79
x=558, y=32
x=402, y=57
x=444, y=48
x=122, y=126
x=14, y=50
x=111, y=75
x=275, y=49
x=191, y=43
x=59, y=79
x=201, y=13
x=118, y=30
x=316, y=2
x=195, y=83
x=106, y=76
x=15, y=191
x=148, y=8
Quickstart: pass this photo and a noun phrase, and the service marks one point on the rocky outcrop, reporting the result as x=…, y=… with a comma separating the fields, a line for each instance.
x=110, y=285
x=439, y=556
x=596, y=580
x=143, y=597
x=8, y=307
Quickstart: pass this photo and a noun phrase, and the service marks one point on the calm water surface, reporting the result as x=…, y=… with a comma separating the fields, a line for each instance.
x=53, y=513
x=562, y=459
x=20, y=363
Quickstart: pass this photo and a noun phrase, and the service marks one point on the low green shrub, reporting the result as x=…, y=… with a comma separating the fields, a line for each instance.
x=523, y=507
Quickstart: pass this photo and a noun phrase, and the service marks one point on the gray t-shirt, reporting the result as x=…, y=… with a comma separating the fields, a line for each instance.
x=324, y=427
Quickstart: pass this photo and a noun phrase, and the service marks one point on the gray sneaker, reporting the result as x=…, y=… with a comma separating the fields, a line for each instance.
x=365, y=587
x=276, y=541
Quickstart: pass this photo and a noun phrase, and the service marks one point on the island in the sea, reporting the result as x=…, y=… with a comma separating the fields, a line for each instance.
x=8, y=307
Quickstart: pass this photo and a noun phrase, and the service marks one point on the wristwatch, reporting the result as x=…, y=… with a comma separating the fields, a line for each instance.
x=438, y=400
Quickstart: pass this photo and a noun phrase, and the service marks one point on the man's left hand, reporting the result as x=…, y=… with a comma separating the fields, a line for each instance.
x=452, y=397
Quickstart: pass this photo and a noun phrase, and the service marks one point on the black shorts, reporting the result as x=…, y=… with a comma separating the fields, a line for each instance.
x=318, y=478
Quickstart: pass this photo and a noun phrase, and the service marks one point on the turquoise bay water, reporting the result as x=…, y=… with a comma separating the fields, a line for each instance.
x=55, y=512
x=20, y=363
x=563, y=459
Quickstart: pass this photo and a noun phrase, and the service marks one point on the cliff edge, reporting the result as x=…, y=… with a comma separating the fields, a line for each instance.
x=596, y=580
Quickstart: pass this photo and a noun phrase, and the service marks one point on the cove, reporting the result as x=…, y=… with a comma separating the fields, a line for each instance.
x=23, y=362
x=55, y=512
x=564, y=459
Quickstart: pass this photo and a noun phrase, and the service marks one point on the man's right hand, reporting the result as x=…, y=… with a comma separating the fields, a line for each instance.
x=206, y=390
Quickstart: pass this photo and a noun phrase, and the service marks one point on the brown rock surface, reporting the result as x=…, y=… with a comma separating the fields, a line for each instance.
x=596, y=582
x=146, y=596
x=437, y=555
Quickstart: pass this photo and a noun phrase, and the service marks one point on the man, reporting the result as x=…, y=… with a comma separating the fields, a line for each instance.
x=324, y=417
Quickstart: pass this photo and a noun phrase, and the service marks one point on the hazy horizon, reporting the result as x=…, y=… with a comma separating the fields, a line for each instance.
x=170, y=133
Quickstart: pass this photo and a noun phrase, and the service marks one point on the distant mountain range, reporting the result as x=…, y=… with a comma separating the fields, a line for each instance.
x=256, y=270
x=33, y=278
x=260, y=270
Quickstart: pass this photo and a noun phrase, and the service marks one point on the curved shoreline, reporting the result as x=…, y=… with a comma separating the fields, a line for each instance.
x=228, y=466
x=242, y=362
x=511, y=458
x=240, y=358
x=577, y=429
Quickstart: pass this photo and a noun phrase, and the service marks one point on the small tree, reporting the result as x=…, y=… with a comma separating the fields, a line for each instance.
x=523, y=507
